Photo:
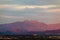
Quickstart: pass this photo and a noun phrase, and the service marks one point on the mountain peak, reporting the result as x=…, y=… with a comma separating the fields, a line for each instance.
x=31, y=21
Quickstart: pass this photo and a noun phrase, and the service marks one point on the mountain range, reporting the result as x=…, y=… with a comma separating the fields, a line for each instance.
x=29, y=26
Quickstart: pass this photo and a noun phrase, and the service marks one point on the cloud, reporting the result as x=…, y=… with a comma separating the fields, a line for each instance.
x=43, y=17
x=6, y=0
x=52, y=10
x=21, y=7
x=30, y=2
x=11, y=17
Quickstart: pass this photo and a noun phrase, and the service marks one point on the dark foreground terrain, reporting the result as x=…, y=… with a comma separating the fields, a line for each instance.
x=29, y=37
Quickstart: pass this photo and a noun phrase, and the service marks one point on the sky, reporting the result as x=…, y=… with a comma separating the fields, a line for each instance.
x=47, y=11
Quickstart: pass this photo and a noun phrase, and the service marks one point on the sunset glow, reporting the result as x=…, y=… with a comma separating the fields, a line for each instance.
x=29, y=15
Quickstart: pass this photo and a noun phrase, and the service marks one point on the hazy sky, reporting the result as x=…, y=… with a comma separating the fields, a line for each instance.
x=47, y=11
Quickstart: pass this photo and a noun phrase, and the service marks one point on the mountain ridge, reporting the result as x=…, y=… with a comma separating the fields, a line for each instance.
x=28, y=26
